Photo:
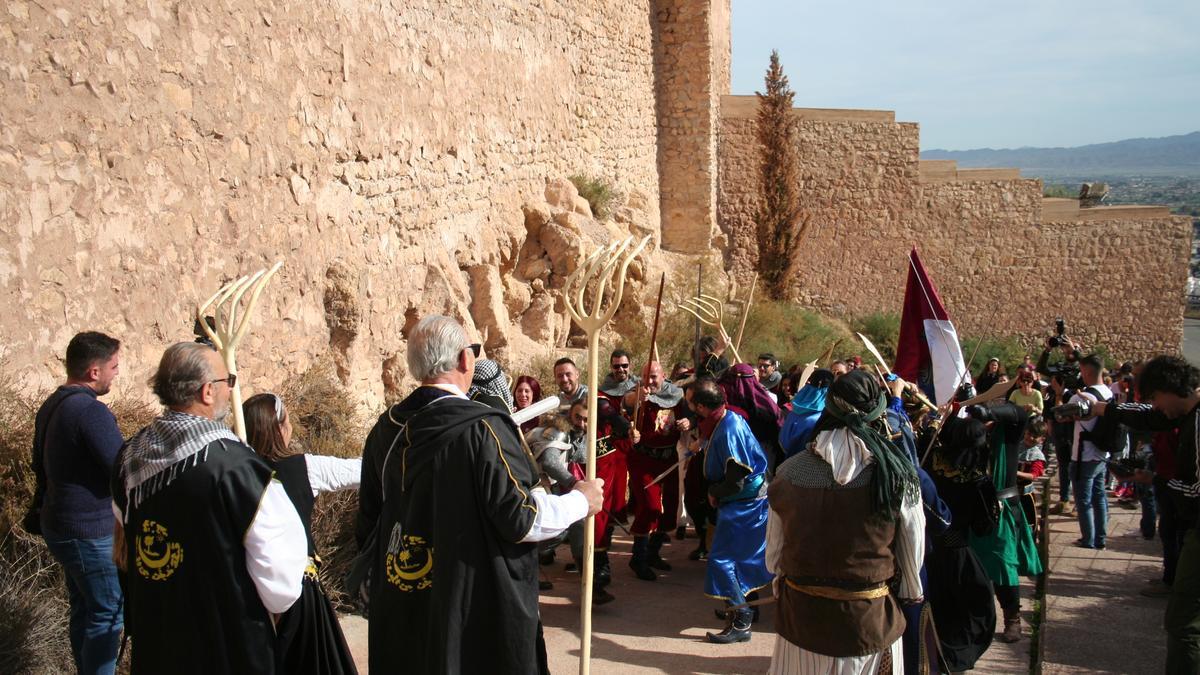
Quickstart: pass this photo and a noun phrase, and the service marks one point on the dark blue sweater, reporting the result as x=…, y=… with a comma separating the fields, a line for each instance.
x=82, y=440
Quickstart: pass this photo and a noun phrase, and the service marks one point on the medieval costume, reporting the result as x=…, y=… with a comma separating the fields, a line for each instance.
x=744, y=391
x=1008, y=551
x=807, y=406
x=310, y=637
x=735, y=467
x=854, y=497
x=214, y=548
x=959, y=590
x=921, y=647
x=655, y=506
x=449, y=509
x=614, y=392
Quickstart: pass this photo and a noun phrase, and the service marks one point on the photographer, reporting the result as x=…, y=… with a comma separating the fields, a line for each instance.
x=1171, y=386
x=1071, y=353
x=1089, y=469
x=1061, y=436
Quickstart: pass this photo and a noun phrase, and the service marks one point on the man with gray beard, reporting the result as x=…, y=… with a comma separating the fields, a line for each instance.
x=214, y=545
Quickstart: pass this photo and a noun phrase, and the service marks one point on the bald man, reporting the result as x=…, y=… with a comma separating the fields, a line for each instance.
x=661, y=415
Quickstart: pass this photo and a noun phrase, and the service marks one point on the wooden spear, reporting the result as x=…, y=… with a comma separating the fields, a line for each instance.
x=637, y=400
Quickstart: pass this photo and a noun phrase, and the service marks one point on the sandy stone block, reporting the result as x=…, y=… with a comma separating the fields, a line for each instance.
x=180, y=98
x=561, y=193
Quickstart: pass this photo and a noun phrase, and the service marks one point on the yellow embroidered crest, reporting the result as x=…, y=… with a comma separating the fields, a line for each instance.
x=157, y=556
x=409, y=563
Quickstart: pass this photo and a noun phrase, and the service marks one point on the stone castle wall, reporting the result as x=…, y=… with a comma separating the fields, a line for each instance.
x=152, y=151
x=1004, y=263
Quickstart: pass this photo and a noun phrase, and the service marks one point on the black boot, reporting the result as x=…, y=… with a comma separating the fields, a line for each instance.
x=603, y=571
x=737, y=630
x=638, y=561
x=654, y=559
x=600, y=596
x=701, y=552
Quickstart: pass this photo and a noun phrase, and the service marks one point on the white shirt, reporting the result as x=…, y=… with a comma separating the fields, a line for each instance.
x=1090, y=453
x=555, y=513
x=330, y=474
x=276, y=549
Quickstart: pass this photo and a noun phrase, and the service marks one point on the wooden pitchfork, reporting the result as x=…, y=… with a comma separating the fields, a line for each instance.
x=600, y=267
x=232, y=321
x=711, y=311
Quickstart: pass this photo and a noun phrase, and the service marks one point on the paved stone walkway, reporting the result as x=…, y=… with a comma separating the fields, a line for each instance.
x=1096, y=619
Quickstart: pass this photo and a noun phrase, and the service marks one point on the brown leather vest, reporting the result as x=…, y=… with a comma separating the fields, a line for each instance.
x=831, y=539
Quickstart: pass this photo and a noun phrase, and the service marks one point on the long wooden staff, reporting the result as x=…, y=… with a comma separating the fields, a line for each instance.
x=637, y=400
x=600, y=267
x=737, y=341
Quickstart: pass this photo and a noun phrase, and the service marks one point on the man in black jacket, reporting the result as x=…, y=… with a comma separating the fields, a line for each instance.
x=1170, y=391
x=449, y=492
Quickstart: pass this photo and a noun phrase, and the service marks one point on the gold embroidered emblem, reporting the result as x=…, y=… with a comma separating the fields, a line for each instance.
x=157, y=556
x=409, y=562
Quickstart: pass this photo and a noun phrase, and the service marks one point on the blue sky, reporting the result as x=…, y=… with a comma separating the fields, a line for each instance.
x=986, y=74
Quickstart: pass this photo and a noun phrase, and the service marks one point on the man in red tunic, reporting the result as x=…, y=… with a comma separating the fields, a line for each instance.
x=661, y=416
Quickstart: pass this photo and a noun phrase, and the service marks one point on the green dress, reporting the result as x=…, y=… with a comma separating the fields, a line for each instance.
x=1008, y=553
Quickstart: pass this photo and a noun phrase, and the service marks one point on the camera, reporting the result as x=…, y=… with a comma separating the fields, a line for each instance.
x=1072, y=411
x=201, y=336
x=1126, y=467
x=1060, y=331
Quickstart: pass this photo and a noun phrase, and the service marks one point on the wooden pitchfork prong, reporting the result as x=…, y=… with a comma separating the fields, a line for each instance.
x=600, y=267
x=231, y=319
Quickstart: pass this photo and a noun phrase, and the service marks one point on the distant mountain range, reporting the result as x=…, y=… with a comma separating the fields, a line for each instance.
x=1170, y=155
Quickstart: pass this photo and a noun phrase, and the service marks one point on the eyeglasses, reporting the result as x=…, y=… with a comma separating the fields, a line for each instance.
x=476, y=349
x=230, y=380
x=763, y=366
x=620, y=366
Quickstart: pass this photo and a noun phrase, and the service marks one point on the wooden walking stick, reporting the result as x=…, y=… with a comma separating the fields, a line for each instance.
x=737, y=341
x=230, y=328
x=602, y=268
x=637, y=400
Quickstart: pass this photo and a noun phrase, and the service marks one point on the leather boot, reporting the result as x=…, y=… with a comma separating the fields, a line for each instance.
x=638, y=562
x=1012, y=626
x=653, y=558
x=603, y=572
x=600, y=596
x=737, y=630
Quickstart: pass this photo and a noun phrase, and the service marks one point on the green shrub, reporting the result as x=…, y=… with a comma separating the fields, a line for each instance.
x=599, y=193
x=883, y=330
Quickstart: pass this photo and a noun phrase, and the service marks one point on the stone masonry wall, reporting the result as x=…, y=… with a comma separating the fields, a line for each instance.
x=692, y=75
x=151, y=151
x=1000, y=268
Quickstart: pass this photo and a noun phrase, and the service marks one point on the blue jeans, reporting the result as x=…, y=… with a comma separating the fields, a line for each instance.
x=96, y=602
x=1091, y=503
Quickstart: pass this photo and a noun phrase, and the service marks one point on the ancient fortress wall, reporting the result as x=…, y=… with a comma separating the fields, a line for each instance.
x=1006, y=261
x=150, y=151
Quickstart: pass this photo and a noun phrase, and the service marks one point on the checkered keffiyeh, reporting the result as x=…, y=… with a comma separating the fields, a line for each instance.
x=489, y=379
x=173, y=437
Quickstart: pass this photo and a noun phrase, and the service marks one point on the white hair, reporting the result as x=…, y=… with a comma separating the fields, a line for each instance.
x=434, y=345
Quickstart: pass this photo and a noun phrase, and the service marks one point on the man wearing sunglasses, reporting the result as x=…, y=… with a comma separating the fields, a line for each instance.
x=211, y=534
x=450, y=518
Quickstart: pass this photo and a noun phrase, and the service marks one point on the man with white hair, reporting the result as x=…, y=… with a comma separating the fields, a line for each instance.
x=449, y=505
x=214, y=545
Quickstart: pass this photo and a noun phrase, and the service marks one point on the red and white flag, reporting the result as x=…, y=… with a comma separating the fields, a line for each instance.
x=928, y=353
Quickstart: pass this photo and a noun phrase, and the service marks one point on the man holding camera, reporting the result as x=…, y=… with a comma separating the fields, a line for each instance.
x=1170, y=389
x=1090, y=467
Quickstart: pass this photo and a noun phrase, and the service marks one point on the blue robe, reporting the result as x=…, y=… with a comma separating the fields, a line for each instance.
x=807, y=406
x=737, y=559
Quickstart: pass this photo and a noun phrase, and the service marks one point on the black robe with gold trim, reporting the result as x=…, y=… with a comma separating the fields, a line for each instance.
x=446, y=488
